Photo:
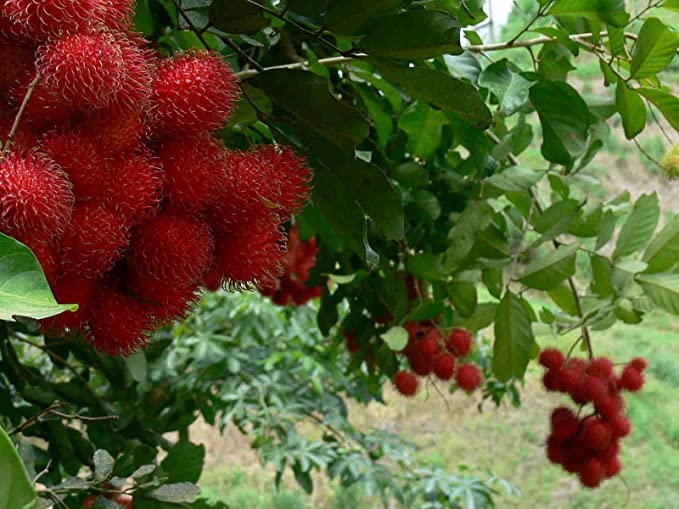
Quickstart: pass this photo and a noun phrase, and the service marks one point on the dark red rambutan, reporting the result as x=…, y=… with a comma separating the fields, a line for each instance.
x=631, y=380
x=36, y=200
x=428, y=347
x=166, y=302
x=601, y=367
x=551, y=358
x=613, y=466
x=301, y=256
x=416, y=330
x=610, y=407
x=138, y=64
x=115, y=129
x=596, y=434
x=282, y=298
x=576, y=364
x=639, y=363
x=250, y=253
x=611, y=451
x=119, y=323
x=195, y=167
x=305, y=293
x=119, y=14
x=570, y=381
x=173, y=248
x=469, y=377
x=459, y=342
x=84, y=69
x=71, y=290
x=136, y=187
x=593, y=471
x=406, y=383
x=40, y=19
x=420, y=364
x=292, y=176
x=552, y=380
x=84, y=164
x=444, y=365
x=93, y=241
x=15, y=61
x=593, y=389
x=620, y=426
x=565, y=423
x=555, y=450
x=351, y=341
x=193, y=92
x=48, y=258
x=45, y=109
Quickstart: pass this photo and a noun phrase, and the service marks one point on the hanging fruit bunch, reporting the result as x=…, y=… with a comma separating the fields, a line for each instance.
x=110, y=172
x=291, y=285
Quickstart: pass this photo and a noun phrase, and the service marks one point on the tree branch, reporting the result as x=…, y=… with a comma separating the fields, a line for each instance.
x=17, y=120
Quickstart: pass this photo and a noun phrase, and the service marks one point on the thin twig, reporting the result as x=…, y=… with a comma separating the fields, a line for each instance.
x=35, y=418
x=648, y=156
x=467, y=9
x=24, y=104
x=525, y=29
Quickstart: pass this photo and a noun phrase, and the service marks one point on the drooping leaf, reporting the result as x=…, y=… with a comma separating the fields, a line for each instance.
x=511, y=89
x=24, y=290
x=602, y=275
x=654, y=49
x=441, y=90
x=662, y=289
x=564, y=117
x=639, y=227
x=184, y=462
x=631, y=108
x=549, y=271
x=464, y=297
x=514, y=339
x=663, y=251
x=412, y=35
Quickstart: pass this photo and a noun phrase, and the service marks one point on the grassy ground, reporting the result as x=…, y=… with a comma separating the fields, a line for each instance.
x=509, y=441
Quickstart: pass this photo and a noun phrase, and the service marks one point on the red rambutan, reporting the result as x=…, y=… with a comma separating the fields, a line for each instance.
x=193, y=92
x=71, y=290
x=565, y=423
x=36, y=200
x=620, y=426
x=167, y=302
x=93, y=241
x=552, y=380
x=45, y=108
x=291, y=174
x=601, y=367
x=613, y=466
x=593, y=389
x=639, y=363
x=631, y=380
x=115, y=129
x=444, y=365
x=596, y=434
x=49, y=260
x=469, y=377
x=551, y=358
x=406, y=383
x=119, y=13
x=459, y=342
x=592, y=473
x=611, y=451
x=609, y=407
x=15, y=61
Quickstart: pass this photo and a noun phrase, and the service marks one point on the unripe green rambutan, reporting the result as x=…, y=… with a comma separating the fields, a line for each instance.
x=670, y=163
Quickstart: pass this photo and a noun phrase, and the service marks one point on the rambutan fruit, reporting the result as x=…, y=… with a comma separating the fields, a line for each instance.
x=552, y=380
x=119, y=323
x=631, y=380
x=250, y=253
x=444, y=365
x=613, y=466
x=45, y=109
x=115, y=129
x=611, y=451
x=282, y=298
x=15, y=61
x=593, y=471
x=195, y=167
x=48, y=258
x=601, y=367
x=620, y=426
x=596, y=434
x=71, y=290
x=459, y=342
x=136, y=187
x=166, y=302
x=36, y=200
x=84, y=69
x=551, y=358
x=291, y=175
x=565, y=423
x=94, y=240
x=193, y=92
x=173, y=248
x=138, y=64
x=351, y=341
x=406, y=383
x=119, y=14
x=639, y=363
x=576, y=364
x=428, y=347
x=555, y=450
x=84, y=164
x=609, y=407
x=469, y=377
x=593, y=389
x=569, y=380
x=40, y=19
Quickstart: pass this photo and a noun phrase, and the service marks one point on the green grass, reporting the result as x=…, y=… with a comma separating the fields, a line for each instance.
x=509, y=441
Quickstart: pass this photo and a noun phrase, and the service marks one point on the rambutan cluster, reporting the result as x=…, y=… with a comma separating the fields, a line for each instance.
x=291, y=285
x=115, y=180
x=429, y=353
x=589, y=445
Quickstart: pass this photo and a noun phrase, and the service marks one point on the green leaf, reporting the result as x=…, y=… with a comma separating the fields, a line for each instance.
x=103, y=465
x=355, y=16
x=426, y=310
x=666, y=102
x=514, y=340
x=423, y=126
x=631, y=108
x=411, y=174
x=639, y=227
x=136, y=363
x=662, y=289
x=412, y=35
x=307, y=96
x=549, y=271
x=564, y=117
x=607, y=11
x=179, y=492
x=463, y=296
x=396, y=338
x=482, y=317
x=24, y=290
x=441, y=90
x=425, y=265
x=563, y=297
x=556, y=219
x=184, y=462
x=16, y=489
x=507, y=84
x=237, y=17
x=663, y=251
x=606, y=229
x=515, y=179
x=602, y=275
x=654, y=49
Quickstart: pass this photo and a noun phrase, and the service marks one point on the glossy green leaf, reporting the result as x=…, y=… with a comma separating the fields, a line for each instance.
x=547, y=272
x=654, y=49
x=184, y=462
x=441, y=90
x=463, y=296
x=237, y=17
x=423, y=126
x=563, y=297
x=564, y=117
x=515, y=178
x=24, y=290
x=662, y=289
x=632, y=109
x=666, y=102
x=602, y=275
x=663, y=252
x=511, y=89
x=606, y=229
x=355, y=16
x=607, y=11
x=412, y=35
x=556, y=219
x=428, y=309
x=639, y=227
x=514, y=339
x=16, y=489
